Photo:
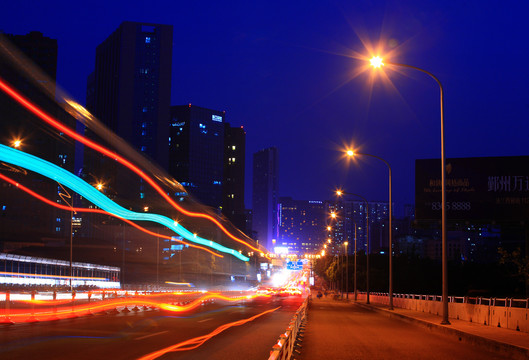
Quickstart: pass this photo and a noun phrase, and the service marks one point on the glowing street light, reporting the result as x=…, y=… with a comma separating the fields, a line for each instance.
x=17, y=143
x=352, y=153
x=99, y=186
x=377, y=62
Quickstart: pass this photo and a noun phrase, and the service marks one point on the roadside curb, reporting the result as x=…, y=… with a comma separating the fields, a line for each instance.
x=509, y=350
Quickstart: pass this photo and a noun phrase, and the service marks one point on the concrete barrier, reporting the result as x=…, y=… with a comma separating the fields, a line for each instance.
x=518, y=319
x=490, y=312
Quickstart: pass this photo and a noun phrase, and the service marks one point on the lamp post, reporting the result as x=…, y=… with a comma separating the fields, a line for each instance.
x=340, y=193
x=352, y=153
x=356, y=293
x=377, y=63
x=346, y=271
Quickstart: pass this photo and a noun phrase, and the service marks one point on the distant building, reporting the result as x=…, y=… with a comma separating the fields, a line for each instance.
x=265, y=196
x=302, y=225
x=196, y=152
x=233, y=183
x=351, y=214
x=130, y=89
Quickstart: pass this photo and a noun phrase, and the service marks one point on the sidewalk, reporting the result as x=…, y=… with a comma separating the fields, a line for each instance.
x=331, y=338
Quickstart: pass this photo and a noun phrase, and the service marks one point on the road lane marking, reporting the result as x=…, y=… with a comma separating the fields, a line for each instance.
x=205, y=320
x=149, y=335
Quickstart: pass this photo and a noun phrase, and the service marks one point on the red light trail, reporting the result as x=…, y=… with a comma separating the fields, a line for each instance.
x=198, y=341
x=47, y=314
x=97, y=211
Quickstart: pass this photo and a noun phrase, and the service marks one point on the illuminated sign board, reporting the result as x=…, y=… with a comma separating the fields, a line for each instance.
x=484, y=188
x=294, y=265
x=216, y=118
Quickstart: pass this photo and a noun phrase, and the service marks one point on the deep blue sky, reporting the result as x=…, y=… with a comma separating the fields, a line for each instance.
x=283, y=70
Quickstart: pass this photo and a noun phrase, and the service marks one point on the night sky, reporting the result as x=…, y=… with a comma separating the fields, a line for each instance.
x=291, y=74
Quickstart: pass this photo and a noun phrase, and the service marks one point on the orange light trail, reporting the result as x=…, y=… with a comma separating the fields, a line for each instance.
x=47, y=314
x=58, y=125
x=178, y=283
x=98, y=211
x=198, y=341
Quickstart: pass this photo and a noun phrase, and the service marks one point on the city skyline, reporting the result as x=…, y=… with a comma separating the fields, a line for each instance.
x=291, y=84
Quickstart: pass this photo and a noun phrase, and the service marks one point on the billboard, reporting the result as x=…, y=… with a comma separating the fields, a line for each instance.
x=484, y=188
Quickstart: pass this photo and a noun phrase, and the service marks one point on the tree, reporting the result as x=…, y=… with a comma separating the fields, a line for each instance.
x=519, y=265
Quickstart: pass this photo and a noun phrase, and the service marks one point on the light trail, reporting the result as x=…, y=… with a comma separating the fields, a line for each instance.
x=180, y=283
x=198, y=341
x=97, y=211
x=56, y=173
x=66, y=130
x=48, y=314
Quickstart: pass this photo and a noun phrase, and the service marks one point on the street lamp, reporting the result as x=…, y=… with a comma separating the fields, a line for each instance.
x=341, y=193
x=377, y=63
x=352, y=153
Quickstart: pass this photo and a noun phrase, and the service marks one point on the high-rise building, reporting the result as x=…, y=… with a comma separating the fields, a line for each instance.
x=28, y=63
x=130, y=89
x=302, y=226
x=196, y=152
x=265, y=196
x=234, y=161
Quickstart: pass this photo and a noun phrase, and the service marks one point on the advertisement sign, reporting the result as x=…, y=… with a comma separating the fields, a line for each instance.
x=484, y=188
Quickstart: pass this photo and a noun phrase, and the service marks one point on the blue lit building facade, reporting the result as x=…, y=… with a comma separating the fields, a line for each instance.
x=302, y=226
x=196, y=152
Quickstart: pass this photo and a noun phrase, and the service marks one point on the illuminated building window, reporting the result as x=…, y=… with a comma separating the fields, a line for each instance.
x=233, y=147
x=144, y=148
x=147, y=39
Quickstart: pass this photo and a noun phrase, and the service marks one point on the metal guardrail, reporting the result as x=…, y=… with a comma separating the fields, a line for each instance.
x=284, y=347
x=489, y=301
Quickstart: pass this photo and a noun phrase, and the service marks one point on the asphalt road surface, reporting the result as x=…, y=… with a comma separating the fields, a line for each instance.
x=135, y=334
x=337, y=330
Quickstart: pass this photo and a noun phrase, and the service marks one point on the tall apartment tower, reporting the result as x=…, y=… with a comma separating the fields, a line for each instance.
x=234, y=160
x=196, y=151
x=265, y=196
x=130, y=89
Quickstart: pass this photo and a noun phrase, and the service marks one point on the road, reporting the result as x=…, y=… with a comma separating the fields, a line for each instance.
x=136, y=334
x=337, y=330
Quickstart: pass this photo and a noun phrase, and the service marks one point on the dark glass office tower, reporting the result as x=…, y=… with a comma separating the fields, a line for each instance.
x=265, y=196
x=196, y=152
x=234, y=160
x=130, y=89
